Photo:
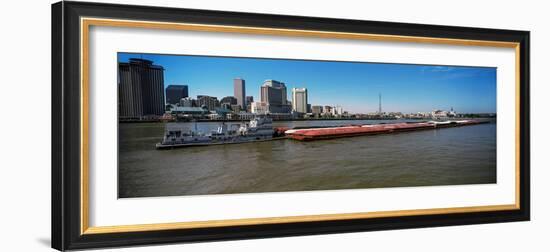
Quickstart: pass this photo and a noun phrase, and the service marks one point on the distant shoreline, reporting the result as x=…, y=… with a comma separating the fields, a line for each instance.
x=309, y=119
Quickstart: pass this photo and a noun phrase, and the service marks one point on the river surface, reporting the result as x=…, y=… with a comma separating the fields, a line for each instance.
x=451, y=156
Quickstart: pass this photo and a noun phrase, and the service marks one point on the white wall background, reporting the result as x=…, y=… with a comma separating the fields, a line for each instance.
x=25, y=111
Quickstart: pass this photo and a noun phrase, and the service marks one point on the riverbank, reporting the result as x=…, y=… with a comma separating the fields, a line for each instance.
x=308, y=119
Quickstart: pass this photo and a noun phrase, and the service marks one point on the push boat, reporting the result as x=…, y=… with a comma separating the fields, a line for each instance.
x=257, y=129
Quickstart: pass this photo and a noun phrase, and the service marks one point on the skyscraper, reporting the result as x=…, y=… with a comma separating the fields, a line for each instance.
x=174, y=93
x=239, y=92
x=140, y=89
x=229, y=100
x=299, y=100
x=249, y=101
x=273, y=93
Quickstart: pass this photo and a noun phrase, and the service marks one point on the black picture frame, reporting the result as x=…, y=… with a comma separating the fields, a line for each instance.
x=66, y=141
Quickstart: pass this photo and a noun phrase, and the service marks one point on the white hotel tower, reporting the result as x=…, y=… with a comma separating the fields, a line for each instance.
x=299, y=100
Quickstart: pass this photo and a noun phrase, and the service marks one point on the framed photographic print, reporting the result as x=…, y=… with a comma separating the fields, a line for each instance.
x=180, y=125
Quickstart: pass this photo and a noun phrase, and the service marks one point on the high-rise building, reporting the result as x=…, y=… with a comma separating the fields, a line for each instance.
x=174, y=93
x=299, y=100
x=229, y=100
x=235, y=108
x=273, y=93
x=140, y=89
x=239, y=92
x=249, y=101
x=209, y=102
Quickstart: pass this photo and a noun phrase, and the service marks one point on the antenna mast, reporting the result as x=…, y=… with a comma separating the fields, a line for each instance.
x=379, y=103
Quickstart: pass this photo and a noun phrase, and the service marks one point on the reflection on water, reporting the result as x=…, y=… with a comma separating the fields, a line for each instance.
x=462, y=155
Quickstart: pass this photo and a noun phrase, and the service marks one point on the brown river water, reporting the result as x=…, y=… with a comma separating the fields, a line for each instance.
x=451, y=156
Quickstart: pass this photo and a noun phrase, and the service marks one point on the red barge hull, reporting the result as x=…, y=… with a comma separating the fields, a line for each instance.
x=375, y=129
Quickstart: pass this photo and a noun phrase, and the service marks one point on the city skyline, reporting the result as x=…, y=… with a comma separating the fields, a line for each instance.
x=355, y=86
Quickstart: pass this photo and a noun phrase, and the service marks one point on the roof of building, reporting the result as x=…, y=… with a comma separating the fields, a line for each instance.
x=222, y=111
x=176, y=86
x=188, y=109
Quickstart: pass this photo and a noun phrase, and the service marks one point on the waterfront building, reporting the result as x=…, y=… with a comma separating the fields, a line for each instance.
x=220, y=112
x=231, y=100
x=338, y=110
x=239, y=92
x=174, y=93
x=235, y=108
x=188, y=102
x=437, y=113
x=215, y=116
x=140, y=89
x=225, y=106
x=452, y=113
x=327, y=110
x=281, y=116
x=259, y=108
x=245, y=116
x=299, y=100
x=273, y=93
x=249, y=100
x=316, y=110
x=209, y=102
x=188, y=112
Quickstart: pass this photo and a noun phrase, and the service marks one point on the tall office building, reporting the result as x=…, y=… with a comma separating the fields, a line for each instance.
x=239, y=92
x=228, y=102
x=140, y=89
x=249, y=101
x=174, y=93
x=273, y=93
x=210, y=102
x=299, y=100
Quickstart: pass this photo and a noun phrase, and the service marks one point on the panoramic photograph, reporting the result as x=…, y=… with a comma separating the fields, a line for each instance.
x=202, y=125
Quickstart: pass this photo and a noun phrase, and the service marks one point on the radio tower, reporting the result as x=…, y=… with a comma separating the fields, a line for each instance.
x=379, y=103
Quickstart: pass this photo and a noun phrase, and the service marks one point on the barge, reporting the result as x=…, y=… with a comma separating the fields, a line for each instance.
x=261, y=129
x=371, y=129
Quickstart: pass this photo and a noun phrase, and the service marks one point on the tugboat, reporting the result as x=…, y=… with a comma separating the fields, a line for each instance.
x=258, y=129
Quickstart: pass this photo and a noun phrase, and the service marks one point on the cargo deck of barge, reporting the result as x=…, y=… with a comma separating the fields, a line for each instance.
x=374, y=129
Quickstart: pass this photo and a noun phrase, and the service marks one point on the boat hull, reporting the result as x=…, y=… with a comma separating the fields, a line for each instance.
x=161, y=146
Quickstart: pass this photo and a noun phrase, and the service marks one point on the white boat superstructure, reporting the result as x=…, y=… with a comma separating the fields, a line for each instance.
x=257, y=129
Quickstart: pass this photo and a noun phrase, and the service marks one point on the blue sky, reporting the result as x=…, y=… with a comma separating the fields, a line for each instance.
x=353, y=85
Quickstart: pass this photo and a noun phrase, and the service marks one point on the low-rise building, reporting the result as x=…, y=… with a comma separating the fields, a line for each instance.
x=259, y=108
